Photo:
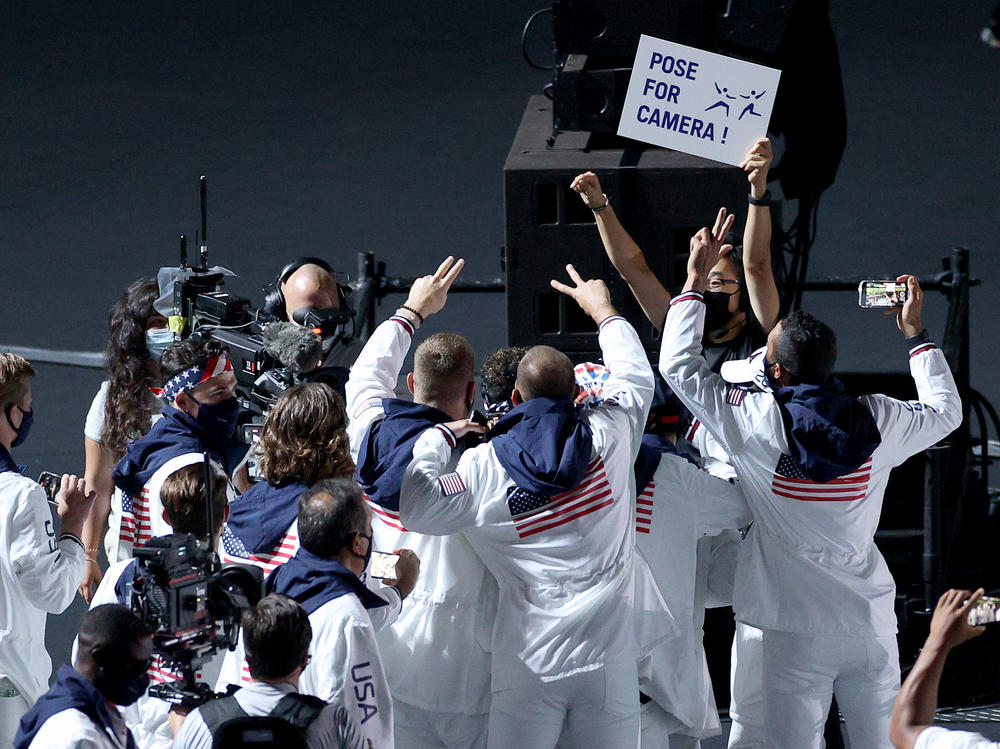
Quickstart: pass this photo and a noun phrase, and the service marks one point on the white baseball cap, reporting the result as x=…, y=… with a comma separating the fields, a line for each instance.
x=749, y=371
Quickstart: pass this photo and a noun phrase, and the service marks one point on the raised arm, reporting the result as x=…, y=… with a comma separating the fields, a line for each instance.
x=917, y=700
x=374, y=374
x=682, y=364
x=631, y=383
x=757, y=238
x=623, y=252
x=907, y=427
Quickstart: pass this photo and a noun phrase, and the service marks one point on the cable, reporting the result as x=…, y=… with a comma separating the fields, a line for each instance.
x=524, y=40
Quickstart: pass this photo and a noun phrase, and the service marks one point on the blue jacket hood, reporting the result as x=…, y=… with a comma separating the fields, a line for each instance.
x=175, y=434
x=387, y=449
x=260, y=516
x=313, y=581
x=830, y=434
x=70, y=692
x=544, y=445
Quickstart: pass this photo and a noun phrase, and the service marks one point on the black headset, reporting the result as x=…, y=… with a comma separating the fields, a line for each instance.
x=274, y=299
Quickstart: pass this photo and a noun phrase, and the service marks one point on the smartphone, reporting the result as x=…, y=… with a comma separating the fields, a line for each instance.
x=986, y=611
x=881, y=294
x=251, y=436
x=50, y=482
x=383, y=565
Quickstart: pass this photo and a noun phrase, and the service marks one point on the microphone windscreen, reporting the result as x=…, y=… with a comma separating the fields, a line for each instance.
x=294, y=346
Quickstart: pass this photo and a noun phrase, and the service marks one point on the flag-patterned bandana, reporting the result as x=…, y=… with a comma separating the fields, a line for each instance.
x=192, y=377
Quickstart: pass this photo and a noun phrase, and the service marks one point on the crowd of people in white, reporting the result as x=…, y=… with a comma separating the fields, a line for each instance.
x=553, y=561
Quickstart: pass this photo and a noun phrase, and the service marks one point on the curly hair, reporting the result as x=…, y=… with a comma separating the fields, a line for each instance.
x=127, y=414
x=305, y=437
x=499, y=371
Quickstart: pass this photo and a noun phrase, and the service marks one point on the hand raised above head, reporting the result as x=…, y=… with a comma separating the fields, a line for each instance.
x=592, y=296
x=429, y=293
x=707, y=246
x=908, y=316
x=589, y=187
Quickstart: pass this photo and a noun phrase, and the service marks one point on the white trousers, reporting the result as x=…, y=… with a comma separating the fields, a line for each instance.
x=746, y=703
x=11, y=710
x=600, y=708
x=802, y=672
x=415, y=728
x=659, y=730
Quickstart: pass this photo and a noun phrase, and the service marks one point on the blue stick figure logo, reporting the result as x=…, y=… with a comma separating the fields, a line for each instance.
x=723, y=94
x=752, y=97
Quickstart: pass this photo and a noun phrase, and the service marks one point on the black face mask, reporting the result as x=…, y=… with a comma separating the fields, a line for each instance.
x=368, y=554
x=123, y=684
x=27, y=419
x=717, y=314
x=219, y=418
x=768, y=366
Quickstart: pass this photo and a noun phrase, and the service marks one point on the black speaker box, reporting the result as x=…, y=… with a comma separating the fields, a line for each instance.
x=662, y=197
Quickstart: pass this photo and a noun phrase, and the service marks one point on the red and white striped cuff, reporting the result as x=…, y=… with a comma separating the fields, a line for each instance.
x=687, y=296
x=407, y=325
x=609, y=318
x=448, y=434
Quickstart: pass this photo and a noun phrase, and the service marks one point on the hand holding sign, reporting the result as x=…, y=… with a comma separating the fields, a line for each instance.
x=698, y=102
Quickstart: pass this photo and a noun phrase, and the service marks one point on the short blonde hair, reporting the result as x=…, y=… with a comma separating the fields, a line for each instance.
x=14, y=375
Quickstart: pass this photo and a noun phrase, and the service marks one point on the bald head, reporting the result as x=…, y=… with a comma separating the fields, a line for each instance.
x=545, y=372
x=310, y=286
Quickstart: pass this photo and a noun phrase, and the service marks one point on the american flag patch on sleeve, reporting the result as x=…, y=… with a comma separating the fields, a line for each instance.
x=451, y=484
x=735, y=395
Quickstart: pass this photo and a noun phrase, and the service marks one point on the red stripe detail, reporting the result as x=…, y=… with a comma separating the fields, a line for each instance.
x=819, y=499
x=686, y=297
x=563, y=510
x=568, y=519
x=856, y=486
x=643, y=510
x=544, y=512
x=922, y=349
x=641, y=501
x=642, y=530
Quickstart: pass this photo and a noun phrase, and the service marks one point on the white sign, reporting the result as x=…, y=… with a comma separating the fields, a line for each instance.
x=698, y=102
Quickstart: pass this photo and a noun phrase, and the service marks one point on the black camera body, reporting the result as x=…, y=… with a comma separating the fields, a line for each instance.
x=193, y=606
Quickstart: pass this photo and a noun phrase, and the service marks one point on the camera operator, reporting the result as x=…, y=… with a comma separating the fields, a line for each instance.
x=201, y=418
x=183, y=497
x=306, y=292
x=813, y=463
x=913, y=715
x=39, y=573
x=79, y=711
x=276, y=634
x=303, y=441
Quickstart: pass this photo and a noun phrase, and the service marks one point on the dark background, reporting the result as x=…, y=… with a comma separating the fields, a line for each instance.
x=328, y=128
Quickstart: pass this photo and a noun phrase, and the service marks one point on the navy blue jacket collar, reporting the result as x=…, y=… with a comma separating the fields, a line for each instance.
x=71, y=691
x=260, y=516
x=544, y=445
x=648, y=460
x=830, y=434
x=7, y=461
x=314, y=581
x=387, y=449
x=175, y=434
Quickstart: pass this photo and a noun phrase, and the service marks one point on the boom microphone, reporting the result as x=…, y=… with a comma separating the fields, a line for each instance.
x=294, y=346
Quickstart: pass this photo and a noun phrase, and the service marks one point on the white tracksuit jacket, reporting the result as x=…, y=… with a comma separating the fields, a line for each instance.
x=445, y=627
x=574, y=594
x=802, y=555
x=680, y=505
x=39, y=575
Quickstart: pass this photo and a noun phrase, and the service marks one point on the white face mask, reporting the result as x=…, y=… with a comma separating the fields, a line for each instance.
x=157, y=341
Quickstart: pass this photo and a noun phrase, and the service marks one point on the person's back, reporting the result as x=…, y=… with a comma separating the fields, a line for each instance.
x=277, y=635
x=547, y=504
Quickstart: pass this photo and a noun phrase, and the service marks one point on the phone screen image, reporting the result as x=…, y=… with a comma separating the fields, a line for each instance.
x=882, y=294
x=383, y=565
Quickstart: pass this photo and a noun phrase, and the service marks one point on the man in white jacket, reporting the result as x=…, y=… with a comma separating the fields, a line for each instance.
x=39, y=571
x=547, y=503
x=813, y=463
x=445, y=627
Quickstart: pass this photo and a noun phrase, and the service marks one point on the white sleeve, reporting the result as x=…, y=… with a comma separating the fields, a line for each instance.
x=719, y=504
x=907, y=427
x=94, y=424
x=374, y=374
x=432, y=499
x=631, y=383
x=48, y=570
x=366, y=690
x=384, y=616
x=700, y=389
x=936, y=737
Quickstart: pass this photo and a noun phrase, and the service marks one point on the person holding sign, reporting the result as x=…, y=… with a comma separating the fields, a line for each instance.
x=743, y=305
